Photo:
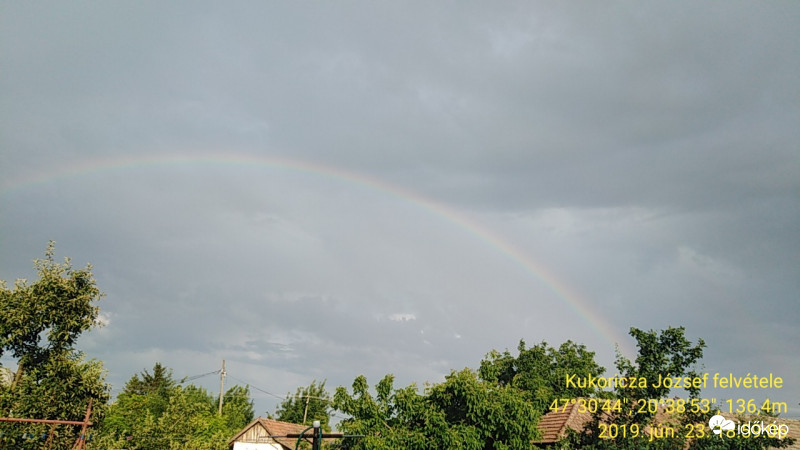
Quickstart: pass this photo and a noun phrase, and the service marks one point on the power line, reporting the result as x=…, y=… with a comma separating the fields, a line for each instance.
x=256, y=387
x=281, y=397
x=195, y=377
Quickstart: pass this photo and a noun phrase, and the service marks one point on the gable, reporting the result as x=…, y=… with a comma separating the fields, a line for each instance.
x=266, y=434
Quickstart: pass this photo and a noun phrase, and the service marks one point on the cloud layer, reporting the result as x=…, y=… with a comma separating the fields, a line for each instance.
x=324, y=190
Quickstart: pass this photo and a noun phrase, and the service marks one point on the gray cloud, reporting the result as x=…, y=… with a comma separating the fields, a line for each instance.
x=644, y=156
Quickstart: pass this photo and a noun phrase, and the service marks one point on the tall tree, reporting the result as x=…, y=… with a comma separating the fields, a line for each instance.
x=154, y=411
x=44, y=319
x=661, y=354
x=492, y=417
x=237, y=411
x=462, y=412
x=540, y=371
x=145, y=395
x=154, y=389
x=160, y=381
x=39, y=325
x=308, y=404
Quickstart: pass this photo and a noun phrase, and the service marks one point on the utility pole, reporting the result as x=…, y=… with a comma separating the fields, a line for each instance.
x=221, y=387
x=305, y=413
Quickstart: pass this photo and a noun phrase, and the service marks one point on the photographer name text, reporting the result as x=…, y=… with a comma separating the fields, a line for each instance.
x=718, y=380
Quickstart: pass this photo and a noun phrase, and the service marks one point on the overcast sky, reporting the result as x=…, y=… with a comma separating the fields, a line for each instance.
x=318, y=190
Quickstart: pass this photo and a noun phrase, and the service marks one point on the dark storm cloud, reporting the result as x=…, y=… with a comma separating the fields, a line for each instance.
x=645, y=153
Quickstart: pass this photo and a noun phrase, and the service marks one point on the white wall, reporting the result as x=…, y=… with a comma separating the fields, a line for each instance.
x=255, y=446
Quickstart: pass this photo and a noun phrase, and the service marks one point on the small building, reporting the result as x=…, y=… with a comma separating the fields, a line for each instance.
x=267, y=434
x=555, y=424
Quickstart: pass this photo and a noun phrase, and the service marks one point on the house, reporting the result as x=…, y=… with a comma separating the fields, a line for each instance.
x=267, y=434
x=555, y=424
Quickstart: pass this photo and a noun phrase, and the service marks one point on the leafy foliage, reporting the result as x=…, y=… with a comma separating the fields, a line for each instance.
x=310, y=403
x=154, y=389
x=144, y=397
x=59, y=307
x=660, y=354
x=539, y=372
x=497, y=407
x=155, y=412
x=237, y=409
x=39, y=325
x=497, y=416
x=160, y=382
x=665, y=353
x=462, y=412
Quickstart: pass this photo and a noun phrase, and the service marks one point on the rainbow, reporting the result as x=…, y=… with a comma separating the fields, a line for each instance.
x=552, y=281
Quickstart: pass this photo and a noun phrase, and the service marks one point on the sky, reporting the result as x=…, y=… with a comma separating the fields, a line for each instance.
x=319, y=190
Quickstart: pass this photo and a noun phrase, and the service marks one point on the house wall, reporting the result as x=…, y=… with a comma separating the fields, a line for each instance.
x=256, y=438
x=255, y=446
x=257, y=434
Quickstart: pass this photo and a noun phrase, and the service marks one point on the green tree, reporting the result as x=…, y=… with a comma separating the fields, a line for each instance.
x=494, y=417
x=39, y=325
x=191, y=420
x=308, y=404
x=540, y=371
x=155, y=412
x=154, y=387
x=237, y=409
x=660, y=354
x=44, y=319
x=144, y=395
x=370, y=416
x=159, y=382
x=666, y=353
x=390, y=419
x=462, y=412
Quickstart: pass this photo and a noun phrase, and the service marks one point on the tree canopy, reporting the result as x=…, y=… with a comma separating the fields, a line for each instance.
x=156, y=412
x=665, y=353
x=462, y=412
x=539, y=371
x=44, y=319
x=308, y=404
x=39, y=325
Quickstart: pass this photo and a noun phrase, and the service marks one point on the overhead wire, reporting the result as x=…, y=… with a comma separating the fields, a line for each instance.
x=281, y=397
x=195, y=377
x=178, y=438
x=295, y=396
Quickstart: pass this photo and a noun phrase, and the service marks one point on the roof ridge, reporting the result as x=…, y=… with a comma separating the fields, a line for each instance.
x=572, y=409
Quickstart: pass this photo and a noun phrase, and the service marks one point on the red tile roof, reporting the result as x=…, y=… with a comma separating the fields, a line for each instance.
x=554, y=425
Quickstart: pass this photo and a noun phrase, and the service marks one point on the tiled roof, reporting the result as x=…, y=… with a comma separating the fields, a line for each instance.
x=554, y=425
